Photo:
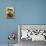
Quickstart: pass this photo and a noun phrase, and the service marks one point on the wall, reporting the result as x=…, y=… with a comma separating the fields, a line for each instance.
x=27, y=12
x=31, y=11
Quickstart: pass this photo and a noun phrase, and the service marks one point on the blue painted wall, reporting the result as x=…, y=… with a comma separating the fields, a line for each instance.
x=27, y=12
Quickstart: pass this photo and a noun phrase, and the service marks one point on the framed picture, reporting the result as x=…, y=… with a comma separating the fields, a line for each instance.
x=32, y=32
